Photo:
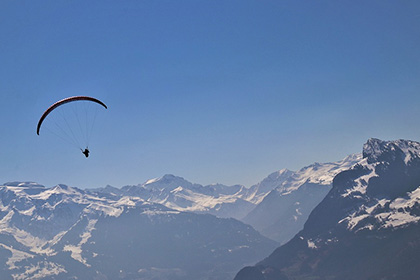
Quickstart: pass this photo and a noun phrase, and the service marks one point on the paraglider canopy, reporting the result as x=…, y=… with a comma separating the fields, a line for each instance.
x=72, y=120
x=62, y=102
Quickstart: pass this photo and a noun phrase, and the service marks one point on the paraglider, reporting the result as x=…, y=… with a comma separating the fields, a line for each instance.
x=86, y=152
x=72, y=119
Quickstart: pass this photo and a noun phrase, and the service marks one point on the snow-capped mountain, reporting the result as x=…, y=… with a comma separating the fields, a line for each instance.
x=46, y=232
x=278, y=206
x=177, y=193
x=68, y=233
x=292, y=196
x=367, y=227
x=228, y=201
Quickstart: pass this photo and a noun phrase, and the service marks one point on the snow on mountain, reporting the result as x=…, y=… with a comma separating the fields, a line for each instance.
x=179, y=194
x=256, y=193
x=375, y=150
x=33, y=219
x=296, y=194
x=67, y=233
x=229, y=201
x=394, y=208
x=385, y=213
x=157, y=230
x=284, y=210
x=367, y=226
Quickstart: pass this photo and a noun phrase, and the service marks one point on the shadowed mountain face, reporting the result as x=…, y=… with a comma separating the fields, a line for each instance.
x=367, y=227
x=68, y=233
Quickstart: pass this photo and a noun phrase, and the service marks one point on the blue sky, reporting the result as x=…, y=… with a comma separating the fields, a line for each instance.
x=213, y=91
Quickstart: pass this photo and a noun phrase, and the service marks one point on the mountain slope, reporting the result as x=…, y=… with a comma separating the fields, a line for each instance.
x=367, y=227
x=283, y=212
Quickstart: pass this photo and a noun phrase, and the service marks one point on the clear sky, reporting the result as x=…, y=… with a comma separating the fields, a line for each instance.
x=213, y=91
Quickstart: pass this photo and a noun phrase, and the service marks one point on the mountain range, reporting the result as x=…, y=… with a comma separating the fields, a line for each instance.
x=366, y=227
x=67, y=233
x=277, y=207
x=170, y=228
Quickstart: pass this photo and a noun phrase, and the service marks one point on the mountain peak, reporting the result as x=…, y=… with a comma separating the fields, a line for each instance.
x=378, y=150
x=165, y=179
x=62, y=187
x=170, y=177
x=373, y=148
x=167, y=182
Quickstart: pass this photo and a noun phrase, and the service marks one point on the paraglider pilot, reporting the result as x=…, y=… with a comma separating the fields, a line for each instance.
x=86, y=152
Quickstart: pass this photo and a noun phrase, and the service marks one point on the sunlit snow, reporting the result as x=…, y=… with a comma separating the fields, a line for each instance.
x=397, y=214
x=76, y=250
